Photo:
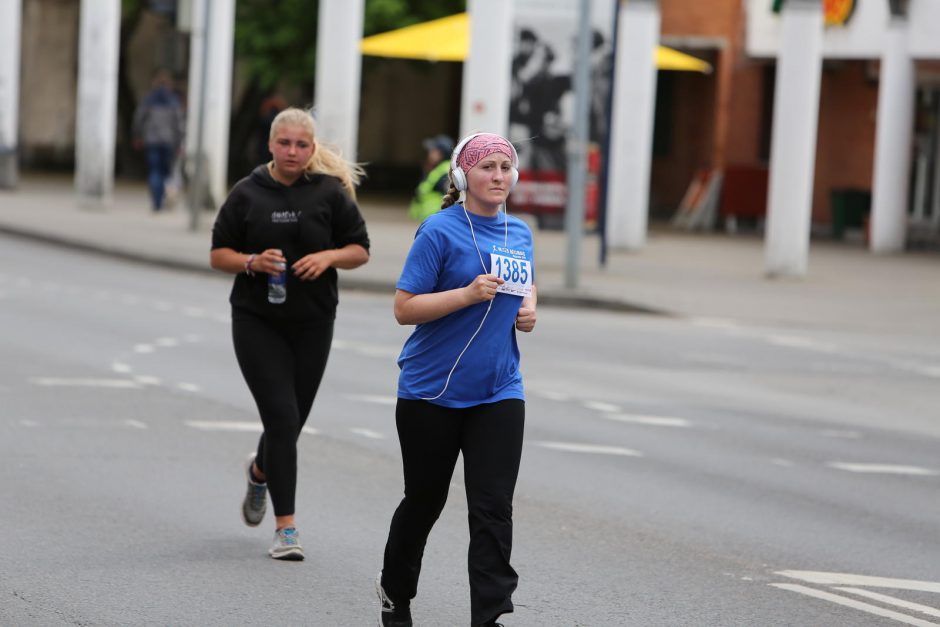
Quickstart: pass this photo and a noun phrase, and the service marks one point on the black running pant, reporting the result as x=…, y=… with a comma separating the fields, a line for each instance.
x=283, y=363
x=490, y=438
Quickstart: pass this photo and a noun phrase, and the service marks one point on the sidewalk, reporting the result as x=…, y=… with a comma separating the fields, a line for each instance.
x=677, y=273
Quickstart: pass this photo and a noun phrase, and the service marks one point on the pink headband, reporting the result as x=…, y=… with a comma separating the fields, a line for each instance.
x=481, y=146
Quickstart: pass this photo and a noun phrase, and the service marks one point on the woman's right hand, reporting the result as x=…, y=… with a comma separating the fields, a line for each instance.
x=271, y=261
x=483, y=288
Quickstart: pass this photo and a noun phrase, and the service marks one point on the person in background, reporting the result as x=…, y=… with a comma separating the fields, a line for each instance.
x=297, y=212
x=158, y=129
x=427, y=197
x=468, y=286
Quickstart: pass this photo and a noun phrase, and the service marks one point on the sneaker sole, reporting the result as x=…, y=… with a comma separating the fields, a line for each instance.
x=290, y=555
x=248, y=521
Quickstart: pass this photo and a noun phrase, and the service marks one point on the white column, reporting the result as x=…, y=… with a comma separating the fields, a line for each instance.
x=11, y=12
x=893, y=137
x=194, y=86
x=487, y=70
x=218, y=105
x=631, y=125
x=793, y=147
x=339, y=73
x=96, y=124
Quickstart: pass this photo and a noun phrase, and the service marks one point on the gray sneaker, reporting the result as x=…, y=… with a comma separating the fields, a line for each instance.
x=255, y=503
x=287, y=545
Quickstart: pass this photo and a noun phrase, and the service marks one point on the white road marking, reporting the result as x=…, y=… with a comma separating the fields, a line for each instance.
x=858, y=605
x=188, y=387
x=195, y=312
x=655, y=421
x=120, y=367
x=130, y=300
x=162, y=305
x=136, y=424
x=793, y=341
x=786, y=463
x=725, y=324
x=224, y=425
x=602, y=407
x=598, y=449
x=553, y=396
x=167, y=342
x=367, y=433
x=147, y=380
x=884, y=469
x=846, y=434
x=372, y=398
x=713, y=359
x=310, y=431
x=29, y=423
x=846, y=579
x=890, y=600
x=143, y=349
x=192, y=338
x=84, y=383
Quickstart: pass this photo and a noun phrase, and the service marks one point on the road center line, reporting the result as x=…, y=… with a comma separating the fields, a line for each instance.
x=87, y=383
x=598, y=449
x=890, y=600
x=858, y=605
x=846, y=579
x=884, y=469
x=372, y=398
x=655, y=421
x=367, y=433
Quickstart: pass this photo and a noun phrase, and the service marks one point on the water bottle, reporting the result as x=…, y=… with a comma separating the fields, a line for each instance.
x=277, y=285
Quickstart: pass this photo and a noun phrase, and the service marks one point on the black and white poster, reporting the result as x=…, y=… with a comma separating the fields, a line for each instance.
x=541, y=108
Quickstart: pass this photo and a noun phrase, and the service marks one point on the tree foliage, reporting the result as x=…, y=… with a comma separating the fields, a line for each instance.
x=275, y=42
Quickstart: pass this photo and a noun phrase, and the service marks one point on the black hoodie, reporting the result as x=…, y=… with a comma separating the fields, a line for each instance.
x=313, y=214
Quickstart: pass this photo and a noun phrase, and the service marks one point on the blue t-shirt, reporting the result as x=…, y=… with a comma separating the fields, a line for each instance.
x=443, y=257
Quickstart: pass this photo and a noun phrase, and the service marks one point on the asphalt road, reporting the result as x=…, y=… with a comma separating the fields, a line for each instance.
x=675, y=472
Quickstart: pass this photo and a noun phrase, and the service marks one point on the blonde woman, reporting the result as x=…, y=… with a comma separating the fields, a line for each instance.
x=295, y=216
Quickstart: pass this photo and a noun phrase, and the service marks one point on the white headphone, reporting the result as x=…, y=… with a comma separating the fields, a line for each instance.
x=459, y=177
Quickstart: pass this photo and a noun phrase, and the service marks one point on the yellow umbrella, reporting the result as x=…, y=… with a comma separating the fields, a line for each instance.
x=447, y=39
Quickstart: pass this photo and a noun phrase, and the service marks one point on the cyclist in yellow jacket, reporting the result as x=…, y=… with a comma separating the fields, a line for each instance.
x=430, y=191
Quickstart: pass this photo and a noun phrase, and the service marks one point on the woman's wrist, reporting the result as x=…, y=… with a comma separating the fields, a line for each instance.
x=248, y=262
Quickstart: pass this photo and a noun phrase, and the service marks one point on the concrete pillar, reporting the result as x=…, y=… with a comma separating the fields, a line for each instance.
x=210, y=103
x=339, y=73
x=793, y=147
x=487, y=71
x=96, y=123
x=631, y=125
x=218, y=105
x=893, y=137
x=11, y=18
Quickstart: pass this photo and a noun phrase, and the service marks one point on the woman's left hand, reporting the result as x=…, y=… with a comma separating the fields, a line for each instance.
x=313, y=265
x=525, y=319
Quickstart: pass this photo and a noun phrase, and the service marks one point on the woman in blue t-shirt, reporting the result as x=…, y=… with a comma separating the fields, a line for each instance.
x=467, y=285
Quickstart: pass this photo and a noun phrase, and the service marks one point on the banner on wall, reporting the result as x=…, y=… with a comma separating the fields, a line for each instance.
x=541, y=109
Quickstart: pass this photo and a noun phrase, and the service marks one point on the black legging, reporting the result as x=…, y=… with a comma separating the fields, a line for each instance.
x=490, y=438
x=283, y=363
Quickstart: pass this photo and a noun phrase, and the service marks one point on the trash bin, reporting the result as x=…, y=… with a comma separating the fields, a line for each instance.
x=850, y=208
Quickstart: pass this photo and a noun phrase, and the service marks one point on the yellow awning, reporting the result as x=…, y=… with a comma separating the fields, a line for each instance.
x=447, y=39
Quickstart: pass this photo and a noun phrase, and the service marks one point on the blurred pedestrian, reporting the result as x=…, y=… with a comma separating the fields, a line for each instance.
x=158, y=129
x=467, y=285
x=270, y=107
x=428, y=195
x=296, y=212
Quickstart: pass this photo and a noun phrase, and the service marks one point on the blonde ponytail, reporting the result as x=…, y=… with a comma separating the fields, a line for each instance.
x=326, y=159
